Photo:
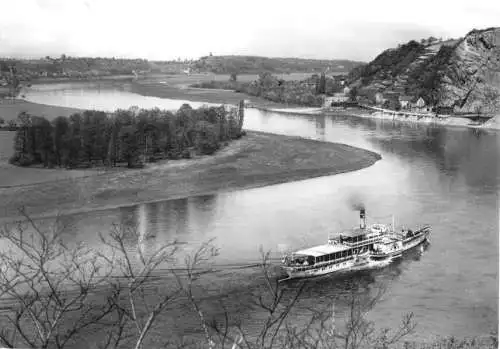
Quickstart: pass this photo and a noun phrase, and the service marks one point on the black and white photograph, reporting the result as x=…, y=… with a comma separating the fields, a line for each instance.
x=249, y=175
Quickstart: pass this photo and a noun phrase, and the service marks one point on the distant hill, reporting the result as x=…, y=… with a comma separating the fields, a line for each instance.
x=85, y=67
x=89, y=67
x=256, y=64
x=462, y=73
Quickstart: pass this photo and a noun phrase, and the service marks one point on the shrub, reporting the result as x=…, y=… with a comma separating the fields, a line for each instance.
x=186, y=154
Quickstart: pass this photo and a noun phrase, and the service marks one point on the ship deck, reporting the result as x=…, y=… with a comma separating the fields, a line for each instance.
x=321, y=250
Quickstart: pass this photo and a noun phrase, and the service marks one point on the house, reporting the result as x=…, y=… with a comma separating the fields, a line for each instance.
x=379, y=98
x=336, y=100
x=420, y=103
x=405, y=101
x=327, y=102
x=420, y=106
x=340, y=98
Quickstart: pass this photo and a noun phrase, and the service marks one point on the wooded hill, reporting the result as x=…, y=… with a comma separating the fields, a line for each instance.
x=256, y=65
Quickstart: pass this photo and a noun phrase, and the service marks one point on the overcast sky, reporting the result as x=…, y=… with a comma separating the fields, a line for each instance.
x=166, y=29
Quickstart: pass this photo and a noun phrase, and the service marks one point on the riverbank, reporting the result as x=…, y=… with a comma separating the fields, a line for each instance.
x=176, y=88
x=256, y=160
x=59, y=80
x=492, y=124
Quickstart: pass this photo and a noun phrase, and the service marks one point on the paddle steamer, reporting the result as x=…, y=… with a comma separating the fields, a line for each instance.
x=352, y=249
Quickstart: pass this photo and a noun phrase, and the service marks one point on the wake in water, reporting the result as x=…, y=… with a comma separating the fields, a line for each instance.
x=374, y=264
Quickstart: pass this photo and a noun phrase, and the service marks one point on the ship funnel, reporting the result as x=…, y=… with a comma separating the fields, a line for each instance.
x=362, y=218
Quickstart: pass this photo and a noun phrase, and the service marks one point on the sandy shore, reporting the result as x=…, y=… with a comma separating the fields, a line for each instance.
x=258, y=159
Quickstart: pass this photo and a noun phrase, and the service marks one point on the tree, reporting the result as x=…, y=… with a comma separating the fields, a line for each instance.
x=322, y=331
x=61, y=133
x=134, y=280
x=123, y=135
x=129, y=145
x=321, y=86
x=43, y=307
x=206, y=139
x=62, y=294
x=46, y=142
x=353, y=93
x=275, y=300
x=12, y=124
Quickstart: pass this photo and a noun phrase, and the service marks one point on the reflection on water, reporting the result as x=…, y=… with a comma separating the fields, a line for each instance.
x=101, y=96
x=445, y=177
x=320, y=126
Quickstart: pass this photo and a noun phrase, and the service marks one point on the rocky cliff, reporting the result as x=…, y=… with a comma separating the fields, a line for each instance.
x=472, y=78
x=463, y=73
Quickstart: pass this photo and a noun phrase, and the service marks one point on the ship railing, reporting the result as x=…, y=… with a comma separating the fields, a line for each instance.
x=316, y=265
x=363, y=242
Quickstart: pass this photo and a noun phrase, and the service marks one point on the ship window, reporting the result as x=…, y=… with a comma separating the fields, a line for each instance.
x=344, y=253
x=337, y=255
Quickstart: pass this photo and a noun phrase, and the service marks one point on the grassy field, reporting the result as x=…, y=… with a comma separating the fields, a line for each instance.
x=9, y=109
x=162, y=90
x=258, y=159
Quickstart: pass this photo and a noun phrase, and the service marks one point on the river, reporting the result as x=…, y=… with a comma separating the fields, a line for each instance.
x=446, y=177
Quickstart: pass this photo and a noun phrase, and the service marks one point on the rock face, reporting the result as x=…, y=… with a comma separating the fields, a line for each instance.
x=472, y=80
x=463, y=73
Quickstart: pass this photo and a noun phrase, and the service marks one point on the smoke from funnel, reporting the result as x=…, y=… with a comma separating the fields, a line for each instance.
x=356, y=202
x=358, y=206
